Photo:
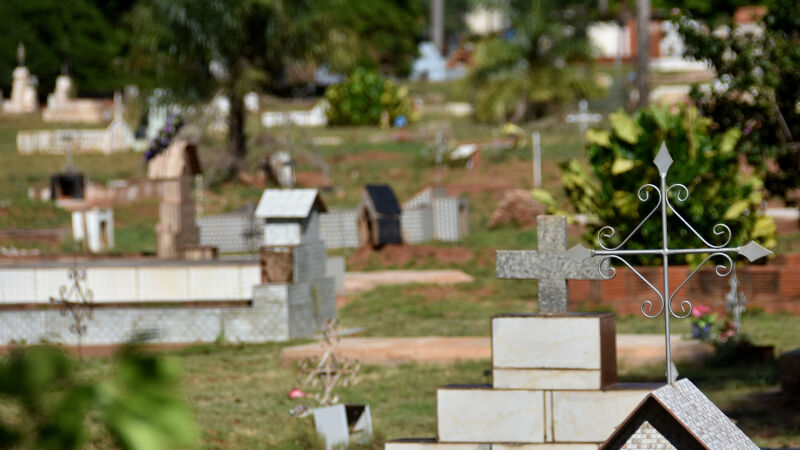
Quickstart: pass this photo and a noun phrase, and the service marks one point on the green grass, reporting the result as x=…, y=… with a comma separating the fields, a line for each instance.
x=239, y=396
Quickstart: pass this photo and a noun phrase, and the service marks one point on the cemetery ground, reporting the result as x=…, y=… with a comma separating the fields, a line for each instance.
x=239, y=392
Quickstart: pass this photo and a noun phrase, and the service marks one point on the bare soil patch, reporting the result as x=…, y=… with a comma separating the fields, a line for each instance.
x=400, y=255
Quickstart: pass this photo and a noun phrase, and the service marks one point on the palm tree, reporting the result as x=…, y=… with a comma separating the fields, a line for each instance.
x=540, y=61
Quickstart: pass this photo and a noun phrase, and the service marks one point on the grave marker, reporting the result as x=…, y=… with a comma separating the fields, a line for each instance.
x=752, y=251
x=77, y=301
x=549, y=264
x=735, y=303
x=537, y=159
x=584, y=117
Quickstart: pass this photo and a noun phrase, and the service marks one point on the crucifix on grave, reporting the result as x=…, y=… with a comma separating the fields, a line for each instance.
x=549, y=264
x=584, y=117
x=752, y=251
x=735, y=303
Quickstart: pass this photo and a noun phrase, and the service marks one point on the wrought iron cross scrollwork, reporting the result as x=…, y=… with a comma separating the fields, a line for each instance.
x=752, y=251
x=77, y=301
x=330, y=369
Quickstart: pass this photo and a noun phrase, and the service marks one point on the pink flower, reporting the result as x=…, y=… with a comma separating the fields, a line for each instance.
x=297, y=393
x=700, y=310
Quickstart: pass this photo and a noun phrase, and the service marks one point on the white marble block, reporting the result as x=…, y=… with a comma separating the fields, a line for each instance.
x=546, y=379
x=432, y=444
x=547, y=446
x=591, y=416
x=540, y=351
x=481, y=414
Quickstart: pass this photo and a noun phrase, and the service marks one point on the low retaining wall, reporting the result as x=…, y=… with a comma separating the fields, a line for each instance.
x=774, y=287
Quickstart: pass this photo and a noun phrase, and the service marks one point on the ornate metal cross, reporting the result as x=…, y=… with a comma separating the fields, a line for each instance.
x=735, y=303
x=329, y=370
x=77, y=301
x=752, y=251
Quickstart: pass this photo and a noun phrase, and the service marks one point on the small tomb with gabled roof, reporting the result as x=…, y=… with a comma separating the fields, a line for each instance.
x=292, y=259
x=678, y=416
x=291, y=216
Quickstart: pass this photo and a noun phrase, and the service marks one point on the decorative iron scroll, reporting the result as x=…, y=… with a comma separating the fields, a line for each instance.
x=665, y=297
x=77, y=301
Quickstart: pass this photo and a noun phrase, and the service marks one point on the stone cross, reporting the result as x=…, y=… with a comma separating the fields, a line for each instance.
x=584, y=117
x=548, y=264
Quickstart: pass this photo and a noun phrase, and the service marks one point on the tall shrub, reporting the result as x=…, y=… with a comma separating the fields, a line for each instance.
x=364, y=97
x=705, y=161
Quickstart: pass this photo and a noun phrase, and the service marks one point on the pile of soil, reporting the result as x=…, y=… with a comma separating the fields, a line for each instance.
x=398, y=255
x=516, y=207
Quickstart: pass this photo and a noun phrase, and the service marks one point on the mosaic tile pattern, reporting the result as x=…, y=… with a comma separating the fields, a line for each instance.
x=339, y=228
x=231, y=233
x=699, y=415
x=416, y=224
x=309, y=262
x=22, y=326
x=446, y=219
x=647, y=438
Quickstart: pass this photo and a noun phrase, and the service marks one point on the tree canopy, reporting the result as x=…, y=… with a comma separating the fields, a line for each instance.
x=757, y=87
x=76, y=33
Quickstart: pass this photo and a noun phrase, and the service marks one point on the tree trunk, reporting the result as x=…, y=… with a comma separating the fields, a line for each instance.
x=237, y=140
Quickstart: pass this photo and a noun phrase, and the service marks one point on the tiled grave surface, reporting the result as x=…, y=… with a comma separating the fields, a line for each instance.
x=646, y=437
x=339, y=228
x=416, y=224
x=231, y=233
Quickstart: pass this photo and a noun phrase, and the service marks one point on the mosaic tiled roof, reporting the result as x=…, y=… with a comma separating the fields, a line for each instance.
x=288, y=203
x=702, y=417
x=682, y=415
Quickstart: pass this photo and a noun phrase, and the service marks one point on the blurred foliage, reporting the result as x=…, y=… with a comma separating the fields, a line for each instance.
x=540, y=63
x=79, y=35
x=140, y=406
x=757, y=89
x=715, y=12
x=378, y=34
x=364, y=97
x=705, y=161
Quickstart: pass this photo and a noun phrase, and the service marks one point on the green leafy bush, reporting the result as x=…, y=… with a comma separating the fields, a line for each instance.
x=364, y=97
x=705, y=161
x=140, y=406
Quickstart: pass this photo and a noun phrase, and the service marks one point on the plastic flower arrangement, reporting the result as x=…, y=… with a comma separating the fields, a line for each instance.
x=702, y=320
x=165, y=136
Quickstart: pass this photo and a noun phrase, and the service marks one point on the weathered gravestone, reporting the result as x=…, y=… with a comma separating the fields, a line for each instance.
x=548, y=264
